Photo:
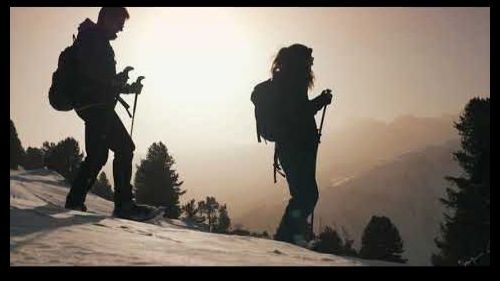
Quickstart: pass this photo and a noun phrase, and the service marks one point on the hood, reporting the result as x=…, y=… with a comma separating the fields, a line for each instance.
x=88, y=30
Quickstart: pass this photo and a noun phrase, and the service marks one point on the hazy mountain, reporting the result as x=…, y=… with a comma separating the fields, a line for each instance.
x=365, y=142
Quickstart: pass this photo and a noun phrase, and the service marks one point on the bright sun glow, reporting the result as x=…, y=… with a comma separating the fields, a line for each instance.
x=186, y=91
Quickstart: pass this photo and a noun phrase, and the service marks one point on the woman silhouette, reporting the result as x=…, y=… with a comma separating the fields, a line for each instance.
x=292, y=77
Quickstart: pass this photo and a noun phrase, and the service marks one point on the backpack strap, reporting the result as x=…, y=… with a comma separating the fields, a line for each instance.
x=276, y=165
x=124, y=104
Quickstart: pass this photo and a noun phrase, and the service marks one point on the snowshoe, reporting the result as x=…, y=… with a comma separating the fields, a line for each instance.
x=137, y=212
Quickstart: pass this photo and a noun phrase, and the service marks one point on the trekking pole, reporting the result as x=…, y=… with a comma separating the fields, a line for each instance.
x=321, y=124
x=138, y=81
x=322, y=119
x=319, y=140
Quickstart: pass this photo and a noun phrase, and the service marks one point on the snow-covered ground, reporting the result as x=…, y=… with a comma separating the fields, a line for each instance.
x=42, y=232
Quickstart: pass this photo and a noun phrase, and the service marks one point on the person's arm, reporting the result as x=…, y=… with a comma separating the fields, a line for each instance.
x=321, y=100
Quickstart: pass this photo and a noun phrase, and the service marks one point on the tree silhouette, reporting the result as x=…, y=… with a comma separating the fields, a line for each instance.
x=466, y=231
x=102, y=187
x=223, y=220
x=209, y=208
x=212, y=212
x=64, y=158
x=33, y=159
x=16, y=149
x=190, y=209
x=192, y=212
x=329, y=241
x=157, y=183
x=202, y=210
x=381, y=241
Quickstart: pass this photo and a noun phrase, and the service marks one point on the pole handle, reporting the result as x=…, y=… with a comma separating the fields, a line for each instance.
x=138, y=81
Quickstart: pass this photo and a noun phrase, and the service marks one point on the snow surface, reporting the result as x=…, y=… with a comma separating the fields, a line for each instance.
x=42, y=232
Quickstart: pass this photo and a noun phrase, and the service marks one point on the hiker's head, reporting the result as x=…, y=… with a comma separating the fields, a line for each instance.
x=294, y=62
x=112, y=19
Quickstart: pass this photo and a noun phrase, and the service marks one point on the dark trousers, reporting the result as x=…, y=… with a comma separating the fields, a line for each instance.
x=104, y=131
x=299, y=164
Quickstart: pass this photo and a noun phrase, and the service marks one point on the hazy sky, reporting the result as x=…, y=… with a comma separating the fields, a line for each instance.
x=201, y=65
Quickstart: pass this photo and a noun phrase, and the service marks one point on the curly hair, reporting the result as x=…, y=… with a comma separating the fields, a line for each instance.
x=293, y=63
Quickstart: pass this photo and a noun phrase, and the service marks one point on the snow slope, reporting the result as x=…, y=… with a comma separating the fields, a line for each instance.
x=42, y=232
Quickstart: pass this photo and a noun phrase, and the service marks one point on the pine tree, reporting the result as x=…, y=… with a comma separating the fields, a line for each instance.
x=190, y=209
x=102, y=187
x=381, y=241
x=33, y=159
x=157, y=183
x=192, y=212
x=16, y=149
x=223, y=220
x=465, y=234
x=202, y=210
x=64, y=158
x=213, y=213
x=210, y=209
x=329, y=242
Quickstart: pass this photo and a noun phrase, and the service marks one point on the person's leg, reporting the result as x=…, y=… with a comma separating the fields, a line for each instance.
x=293, y=218
x=97, y=155
x=123, y=147
x=310, y=192
x=309, y=185
x=299, y=164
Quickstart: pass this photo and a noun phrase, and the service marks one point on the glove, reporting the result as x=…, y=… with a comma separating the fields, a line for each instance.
x=135, y=88
x=122, y=77
x=326, y=97
x=119, y=83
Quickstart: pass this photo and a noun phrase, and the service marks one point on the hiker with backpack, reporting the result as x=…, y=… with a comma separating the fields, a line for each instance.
x=87, y=77
x=285, y=115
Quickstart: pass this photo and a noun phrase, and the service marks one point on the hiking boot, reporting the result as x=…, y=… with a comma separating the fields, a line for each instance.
x=300, y=240
x=136, y=212
x=77, y=207
x=313, y=244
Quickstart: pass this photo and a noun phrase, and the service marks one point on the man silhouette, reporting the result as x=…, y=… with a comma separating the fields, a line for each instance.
x=99, y=89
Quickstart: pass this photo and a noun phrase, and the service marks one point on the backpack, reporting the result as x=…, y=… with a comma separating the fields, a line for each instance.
x=64, y=80
x=270, y=119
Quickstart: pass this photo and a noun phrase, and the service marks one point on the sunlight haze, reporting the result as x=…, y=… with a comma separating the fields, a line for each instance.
x=201, y=65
